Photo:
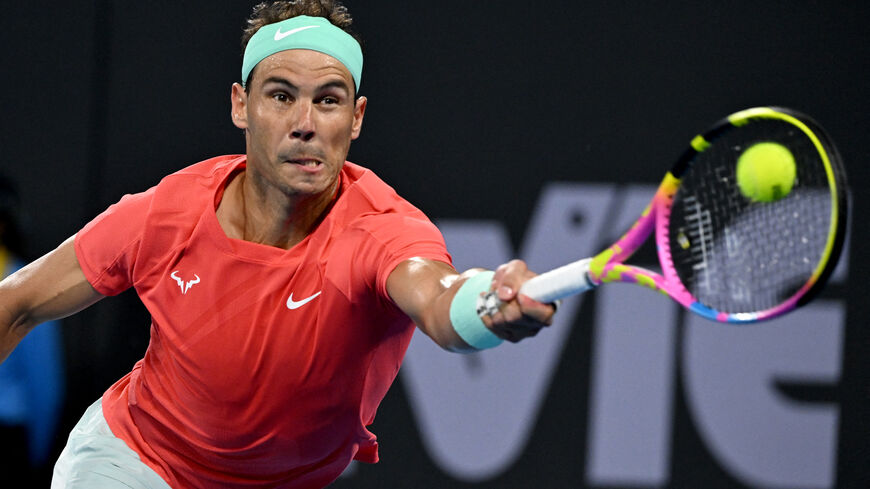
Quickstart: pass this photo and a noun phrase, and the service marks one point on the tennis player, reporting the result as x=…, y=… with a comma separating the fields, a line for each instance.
x=283, y=286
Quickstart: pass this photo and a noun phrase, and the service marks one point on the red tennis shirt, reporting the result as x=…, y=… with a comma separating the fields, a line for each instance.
x=265, y=365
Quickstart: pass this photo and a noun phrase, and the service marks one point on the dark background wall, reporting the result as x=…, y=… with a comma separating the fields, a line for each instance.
x=473, y=108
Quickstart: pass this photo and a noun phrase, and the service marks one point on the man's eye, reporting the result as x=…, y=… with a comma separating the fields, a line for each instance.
x=281, y=97
x=329, y=100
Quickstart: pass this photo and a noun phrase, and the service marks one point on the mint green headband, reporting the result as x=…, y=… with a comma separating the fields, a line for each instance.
x=304, y=32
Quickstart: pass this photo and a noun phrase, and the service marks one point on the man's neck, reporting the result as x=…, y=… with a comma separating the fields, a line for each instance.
x=272, y=220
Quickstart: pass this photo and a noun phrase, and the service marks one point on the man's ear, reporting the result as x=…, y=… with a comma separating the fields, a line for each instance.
x=239, y=101
x=359, y=111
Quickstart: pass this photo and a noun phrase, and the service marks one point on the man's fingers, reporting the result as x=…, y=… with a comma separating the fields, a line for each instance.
x=519, y=316
x=505, y=293
x=517, y=331
x=536, y=310
x=508, y=278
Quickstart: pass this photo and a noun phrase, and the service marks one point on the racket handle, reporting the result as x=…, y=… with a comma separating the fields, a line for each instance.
x=551, y=286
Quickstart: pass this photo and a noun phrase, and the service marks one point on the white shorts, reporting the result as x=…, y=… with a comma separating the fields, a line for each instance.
x=94, y=458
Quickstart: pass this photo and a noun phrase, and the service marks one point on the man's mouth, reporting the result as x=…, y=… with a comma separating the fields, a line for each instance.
x=308, y=163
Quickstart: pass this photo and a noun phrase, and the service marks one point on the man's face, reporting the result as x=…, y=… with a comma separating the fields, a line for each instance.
x=299, y=117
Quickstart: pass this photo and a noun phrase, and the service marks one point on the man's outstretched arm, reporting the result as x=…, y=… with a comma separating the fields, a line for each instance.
x=51, y=287
x=425, y=291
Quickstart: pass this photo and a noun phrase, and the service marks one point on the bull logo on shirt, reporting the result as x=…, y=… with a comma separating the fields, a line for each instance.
x=184, y=286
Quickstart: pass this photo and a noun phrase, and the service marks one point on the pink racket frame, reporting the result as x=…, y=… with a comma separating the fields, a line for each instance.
x=608, y=266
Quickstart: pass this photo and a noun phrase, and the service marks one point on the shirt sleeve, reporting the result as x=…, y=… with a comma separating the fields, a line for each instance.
x=108, y=246
x=399, y=238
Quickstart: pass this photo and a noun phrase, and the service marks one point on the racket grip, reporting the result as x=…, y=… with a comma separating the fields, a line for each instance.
x=560, y=282
x=551, y=286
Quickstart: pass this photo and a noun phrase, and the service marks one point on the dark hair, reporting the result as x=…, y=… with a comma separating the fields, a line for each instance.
x=10, y=206
x=266, y=13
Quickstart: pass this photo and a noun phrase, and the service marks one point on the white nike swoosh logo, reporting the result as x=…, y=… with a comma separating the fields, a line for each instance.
x=281, y=35
x=291, y=304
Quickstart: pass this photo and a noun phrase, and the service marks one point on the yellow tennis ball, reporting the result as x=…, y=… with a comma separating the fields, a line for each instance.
x=766, y=172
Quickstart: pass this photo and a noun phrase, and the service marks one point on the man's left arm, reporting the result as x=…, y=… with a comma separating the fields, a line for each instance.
x=425, y=290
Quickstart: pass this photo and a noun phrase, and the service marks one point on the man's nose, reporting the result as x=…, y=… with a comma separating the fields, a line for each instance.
x=303, y=123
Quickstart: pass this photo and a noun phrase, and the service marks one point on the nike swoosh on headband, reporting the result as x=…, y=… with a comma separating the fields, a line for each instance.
x=281, y=35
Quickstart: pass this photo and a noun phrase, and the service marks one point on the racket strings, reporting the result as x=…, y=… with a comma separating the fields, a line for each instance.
x=736, y=255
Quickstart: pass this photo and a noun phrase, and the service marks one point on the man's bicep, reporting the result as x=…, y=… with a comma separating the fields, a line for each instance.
x=423, y=289
x=416, y=284
x=52, y=287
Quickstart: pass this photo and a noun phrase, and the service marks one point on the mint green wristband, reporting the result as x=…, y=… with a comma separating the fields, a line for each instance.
x=463, y=313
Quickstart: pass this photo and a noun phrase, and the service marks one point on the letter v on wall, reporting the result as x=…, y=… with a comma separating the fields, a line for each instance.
x=452, y=395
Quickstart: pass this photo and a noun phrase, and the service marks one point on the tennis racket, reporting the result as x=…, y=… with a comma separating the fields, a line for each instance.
x=723, y=255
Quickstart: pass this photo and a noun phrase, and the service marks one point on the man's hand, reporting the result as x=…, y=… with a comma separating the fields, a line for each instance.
x=424, y=290
x=519, y=317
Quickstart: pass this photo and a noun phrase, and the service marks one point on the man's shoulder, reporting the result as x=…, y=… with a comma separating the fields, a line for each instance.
x=203, y=177
x=370, y=205
x=190, y=190
x=365, y=193
x=212, y=168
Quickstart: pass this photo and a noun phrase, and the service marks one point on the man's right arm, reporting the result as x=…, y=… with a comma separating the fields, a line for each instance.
x=51, y=287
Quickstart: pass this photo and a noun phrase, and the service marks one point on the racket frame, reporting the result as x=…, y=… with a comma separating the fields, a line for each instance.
x=609, y=265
